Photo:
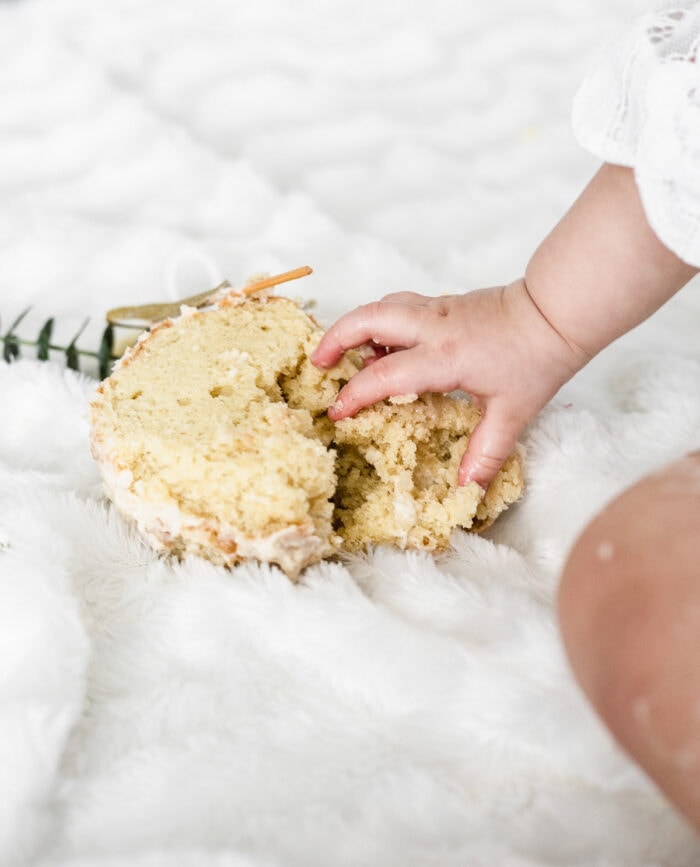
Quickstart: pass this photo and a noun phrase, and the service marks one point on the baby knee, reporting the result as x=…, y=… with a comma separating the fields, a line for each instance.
x=610, y=603
x=582, y=603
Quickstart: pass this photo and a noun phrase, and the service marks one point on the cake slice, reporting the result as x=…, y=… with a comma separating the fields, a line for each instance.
x=199, y=445
x=212, y=436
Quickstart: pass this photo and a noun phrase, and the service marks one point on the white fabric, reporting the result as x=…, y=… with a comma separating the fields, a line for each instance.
x=396, y=709
x=639, y=106
x=391, y=711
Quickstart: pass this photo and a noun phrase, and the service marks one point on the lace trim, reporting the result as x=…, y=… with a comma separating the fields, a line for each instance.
x=640, y=106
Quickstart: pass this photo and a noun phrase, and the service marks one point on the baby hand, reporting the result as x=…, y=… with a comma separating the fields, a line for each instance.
x=494, y=344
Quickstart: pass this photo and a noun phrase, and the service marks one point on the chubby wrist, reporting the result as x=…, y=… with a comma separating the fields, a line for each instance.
x=560, y=357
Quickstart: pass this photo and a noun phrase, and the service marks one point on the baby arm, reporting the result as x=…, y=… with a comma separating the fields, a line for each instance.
x=599, y=273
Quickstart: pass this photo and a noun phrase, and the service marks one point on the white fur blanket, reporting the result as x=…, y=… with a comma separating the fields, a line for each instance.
x=395, y=709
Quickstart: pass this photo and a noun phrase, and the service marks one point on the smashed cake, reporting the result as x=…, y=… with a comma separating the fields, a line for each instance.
x=212, y=436
x=397, y=466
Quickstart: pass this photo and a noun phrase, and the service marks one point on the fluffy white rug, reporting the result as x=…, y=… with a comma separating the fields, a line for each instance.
x=391, y=710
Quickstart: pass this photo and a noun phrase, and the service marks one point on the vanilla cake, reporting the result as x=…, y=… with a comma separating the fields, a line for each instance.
x=397, y=466
x=212, y=436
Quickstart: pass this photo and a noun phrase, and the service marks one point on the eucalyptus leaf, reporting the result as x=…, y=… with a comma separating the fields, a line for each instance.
x=72, y=357
x=44, y=340
x=72, y=352
x=17, y=322
x=104, y=354
x=11, y=348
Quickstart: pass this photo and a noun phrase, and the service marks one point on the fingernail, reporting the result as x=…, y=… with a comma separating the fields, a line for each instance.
x=335, y=408
x=468, y=476
x=464, y=474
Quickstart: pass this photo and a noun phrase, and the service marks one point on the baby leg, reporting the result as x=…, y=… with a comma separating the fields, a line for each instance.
x=629, y=609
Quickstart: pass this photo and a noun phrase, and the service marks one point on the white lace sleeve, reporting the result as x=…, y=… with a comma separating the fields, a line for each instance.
x=639, y=106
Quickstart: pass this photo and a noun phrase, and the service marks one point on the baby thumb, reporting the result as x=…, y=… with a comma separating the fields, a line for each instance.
x=490, y=444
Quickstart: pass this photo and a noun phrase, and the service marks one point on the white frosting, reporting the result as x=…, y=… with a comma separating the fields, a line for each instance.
x=169, y=528
x=399, y=399
x=404, y=509
x=290, y=547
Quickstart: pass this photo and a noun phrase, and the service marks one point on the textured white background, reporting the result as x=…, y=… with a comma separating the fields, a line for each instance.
x=395, y=712
x=148, y=148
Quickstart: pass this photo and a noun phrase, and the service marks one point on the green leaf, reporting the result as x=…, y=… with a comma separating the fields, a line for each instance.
x=72, y=353
x=44, y=340
x=17, y=321
x=10, y=350
x=104, y=355
x=72, y=357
